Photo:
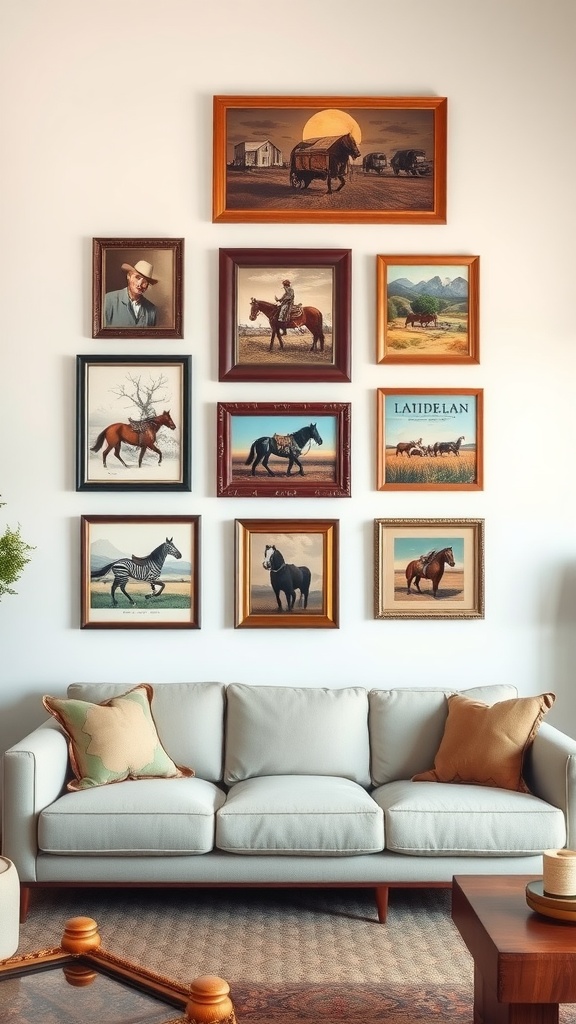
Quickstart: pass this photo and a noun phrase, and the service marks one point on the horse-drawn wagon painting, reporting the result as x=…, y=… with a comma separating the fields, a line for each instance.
x=286, y=573
x=330, y=158
x=283, y=450
x=284, y=314
x=427, y=309
x=430, y=439
x=140, y=572
x=428, y=568
x=133, y=423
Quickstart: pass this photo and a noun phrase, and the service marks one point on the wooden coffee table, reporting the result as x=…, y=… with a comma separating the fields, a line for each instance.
x=524, y=964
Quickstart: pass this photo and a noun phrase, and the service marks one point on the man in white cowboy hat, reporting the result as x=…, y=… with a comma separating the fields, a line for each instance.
x=286, y=301
x=128, y=306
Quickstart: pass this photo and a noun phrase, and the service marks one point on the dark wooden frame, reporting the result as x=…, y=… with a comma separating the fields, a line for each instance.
x=126, y=616
x=424, y=606
x=384, y=353
x=246, y=530
x=424, y=468
x=353, y=106
x=100, y=249
x=129, y=482
x=281, y=485
x=230, y=261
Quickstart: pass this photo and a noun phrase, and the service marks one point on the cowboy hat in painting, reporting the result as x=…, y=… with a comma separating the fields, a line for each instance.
x=142, y=267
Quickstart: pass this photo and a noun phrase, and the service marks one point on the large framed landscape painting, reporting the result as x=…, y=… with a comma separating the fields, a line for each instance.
x=140, y=572
x=428, y=568
x=427, y=309
x=430, y=439
x=284, y=314
x=283, y=450
x=313, y=159
x=286, y=574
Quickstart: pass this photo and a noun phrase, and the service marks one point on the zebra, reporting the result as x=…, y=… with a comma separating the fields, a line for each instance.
x=148, y=568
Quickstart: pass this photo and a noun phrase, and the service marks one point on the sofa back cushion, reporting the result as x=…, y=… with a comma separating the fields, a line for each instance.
x=189, y=718
x=285, y=730
x=407, y=726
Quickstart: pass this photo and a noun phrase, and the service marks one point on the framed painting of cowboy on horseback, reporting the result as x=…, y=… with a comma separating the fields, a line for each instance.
x=284, y=314
x=341, y=159
x=133, y=423
x=137, y=287
x=140, y=572
x=283, y=450
x=286, y=574
x=428, y=568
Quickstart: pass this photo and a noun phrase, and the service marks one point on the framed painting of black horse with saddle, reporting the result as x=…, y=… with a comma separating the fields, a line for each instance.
x=133, y=423
x=311, y=159
x=284, y=314
x=286, y=573
x=283, y=450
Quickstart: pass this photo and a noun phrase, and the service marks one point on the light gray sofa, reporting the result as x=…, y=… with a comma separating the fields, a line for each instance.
x=293, y=786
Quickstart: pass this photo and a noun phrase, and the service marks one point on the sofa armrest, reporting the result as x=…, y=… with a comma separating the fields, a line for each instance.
x=35, y=773
x=551, y=773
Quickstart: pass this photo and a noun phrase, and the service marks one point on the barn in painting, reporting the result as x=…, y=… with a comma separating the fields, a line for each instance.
x=257, y=154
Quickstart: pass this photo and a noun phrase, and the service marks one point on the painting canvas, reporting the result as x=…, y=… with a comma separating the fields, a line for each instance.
x=430, y=439
x=140, y=572
x=284, y=450
x=429, y=568
x=133, y=423
x=428, y=309
x=331, y=158
x=286, y=573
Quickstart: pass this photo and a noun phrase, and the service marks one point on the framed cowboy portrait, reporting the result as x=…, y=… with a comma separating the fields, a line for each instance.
x=428, y=568
x=140, y=572
x=284, y=314
x=133, y=423
x=286, y=574
x=342, y=159
x=283, y=450
x=137, y=287
x=430, y=439
x=427, y=309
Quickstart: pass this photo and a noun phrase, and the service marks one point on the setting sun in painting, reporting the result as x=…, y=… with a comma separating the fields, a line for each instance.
x=331, y=122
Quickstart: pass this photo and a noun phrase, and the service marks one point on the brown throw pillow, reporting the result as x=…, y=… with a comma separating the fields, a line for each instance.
x=485, y=744
x=113, y=741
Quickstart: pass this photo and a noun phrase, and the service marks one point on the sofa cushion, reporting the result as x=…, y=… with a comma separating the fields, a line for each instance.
x=485, y=745
x=460, y=820
x=299, y=815
x=285, y=730
x=113, y=741
x=189, y=718
x=406, y=727
x=149, y=816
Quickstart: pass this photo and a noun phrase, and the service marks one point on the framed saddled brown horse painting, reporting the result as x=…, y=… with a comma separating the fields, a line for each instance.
x=345, y=159
x=428, y=568
x=133, y=423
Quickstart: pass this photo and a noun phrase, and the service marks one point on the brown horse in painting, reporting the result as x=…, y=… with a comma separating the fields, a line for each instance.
x=138, y=433
x=434, y=570
x=309, y=317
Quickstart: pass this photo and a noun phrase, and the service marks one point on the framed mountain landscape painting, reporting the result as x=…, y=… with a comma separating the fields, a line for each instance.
x=427, y=309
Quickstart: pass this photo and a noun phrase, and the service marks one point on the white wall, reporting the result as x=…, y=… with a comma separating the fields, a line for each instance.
x=106, y=128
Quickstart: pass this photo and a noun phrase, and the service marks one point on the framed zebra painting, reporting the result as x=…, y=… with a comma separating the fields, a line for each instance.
x=140, y=572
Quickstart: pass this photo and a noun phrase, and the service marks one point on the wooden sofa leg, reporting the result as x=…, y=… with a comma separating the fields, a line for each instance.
x=24, y=902
x=382, y=892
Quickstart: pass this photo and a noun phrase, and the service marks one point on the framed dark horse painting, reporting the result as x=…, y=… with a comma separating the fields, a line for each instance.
x=286, y=574
x=133, y=423
x=346, y=159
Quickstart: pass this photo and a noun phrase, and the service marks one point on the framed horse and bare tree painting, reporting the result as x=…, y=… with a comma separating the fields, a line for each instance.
x=283, y=450
x=286, y=574
x=133, y=423
x=345, y=159
x=428, y=568
x=140, y=572
x=284, y=314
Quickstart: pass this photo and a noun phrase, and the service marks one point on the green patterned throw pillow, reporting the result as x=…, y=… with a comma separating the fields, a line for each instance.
x=115, y=740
